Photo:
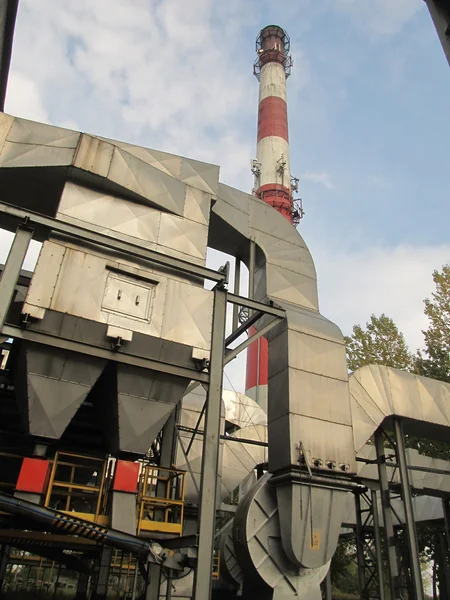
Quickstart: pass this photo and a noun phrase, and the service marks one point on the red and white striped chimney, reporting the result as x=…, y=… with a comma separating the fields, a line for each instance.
x=271, y=167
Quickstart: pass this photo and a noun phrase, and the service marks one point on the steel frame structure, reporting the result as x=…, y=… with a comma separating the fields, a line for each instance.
x=211, y=375
x=368, y=546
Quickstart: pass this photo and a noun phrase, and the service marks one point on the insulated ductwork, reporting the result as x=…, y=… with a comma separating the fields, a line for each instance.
x=379, y=393
x=83, y=294
x=310, y=433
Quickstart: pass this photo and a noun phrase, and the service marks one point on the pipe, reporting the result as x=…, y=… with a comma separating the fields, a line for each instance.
x=66, y=524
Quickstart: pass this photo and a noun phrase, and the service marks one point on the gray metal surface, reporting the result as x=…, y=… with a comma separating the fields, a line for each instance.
x=8, y=12
x=259, y=548
x=123, y=512
x=306, y=351
x=134, y=266
x=440, y=13
x=378, y=393
x=210, y=450
x=120, y=293
x=411, y=535
x=51, y=385
x=389, y=536
x=11, y=272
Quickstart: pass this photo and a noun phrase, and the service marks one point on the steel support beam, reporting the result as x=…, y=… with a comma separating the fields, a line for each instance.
x=231, y=355
x=378, y=548
x=12, y=268
x=153, y=582
x=360, y=559
x=243, y=327
x=251, y=270
x=236, y=290
x=82, y=587
x=8, y=13
x=416, y=574
x=440, y=14
x=101, y=586
x=394, y=584
x=197, y=425
x=188, y=464
x=446, y=509
x=169, y=440
x=120, y=357
x=4, y=557
x=127, y=248
x=210, y=455
x=267, y=309
x=328, y=586
x=228, y=438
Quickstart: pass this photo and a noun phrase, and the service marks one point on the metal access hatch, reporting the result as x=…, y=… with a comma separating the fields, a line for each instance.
x=129, y=297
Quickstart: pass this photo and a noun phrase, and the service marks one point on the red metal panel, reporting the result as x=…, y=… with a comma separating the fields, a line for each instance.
x=257, y=362
x=126, y=476
x=33, y=476
x=272, y=118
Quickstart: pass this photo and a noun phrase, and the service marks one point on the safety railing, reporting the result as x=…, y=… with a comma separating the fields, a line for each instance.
x=216, y=564
x=161, y=500
x=77, y=485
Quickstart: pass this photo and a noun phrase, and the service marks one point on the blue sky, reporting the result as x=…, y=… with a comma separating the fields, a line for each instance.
x=368, y=115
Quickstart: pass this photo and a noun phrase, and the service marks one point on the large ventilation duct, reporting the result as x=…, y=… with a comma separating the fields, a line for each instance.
x=163, y=203
x=82, y=293
x=379, y=393
x=311, y=452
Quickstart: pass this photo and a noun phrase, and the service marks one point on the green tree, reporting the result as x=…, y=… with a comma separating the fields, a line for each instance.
x=379, y=343
x=435, y=361
x=382, y=343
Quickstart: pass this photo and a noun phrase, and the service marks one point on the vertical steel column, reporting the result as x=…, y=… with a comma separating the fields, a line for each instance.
x=82, y=587
x=413, y=547
x=251, y=270
x=446, y=509
x=377, y=537
x=153, y=582
x=360, y=561
x=169, y=437
x=101, y=586
x=387, y=517
x=12, y=268
x=236, y=290
x=210, y=452
x=328, y=590
x=4, y=556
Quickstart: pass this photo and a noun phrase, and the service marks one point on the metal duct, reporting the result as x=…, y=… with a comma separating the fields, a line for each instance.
x=378, y=393
x=309, y=419
x=63, y=523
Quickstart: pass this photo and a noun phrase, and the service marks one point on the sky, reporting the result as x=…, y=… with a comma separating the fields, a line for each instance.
x=368, y=121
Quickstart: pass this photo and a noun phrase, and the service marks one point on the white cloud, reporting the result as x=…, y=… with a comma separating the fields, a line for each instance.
x=380, y=17
x=353, y=285
x=321, y=177
x=172, y=75
x=24, y=98
x=159, y=73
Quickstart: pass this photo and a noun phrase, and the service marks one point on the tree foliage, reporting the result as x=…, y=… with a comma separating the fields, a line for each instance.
x=435, y=361
x=382, y=343
x=379, y=343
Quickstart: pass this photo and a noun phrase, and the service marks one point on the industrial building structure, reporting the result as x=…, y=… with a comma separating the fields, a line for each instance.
x=126, y=471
